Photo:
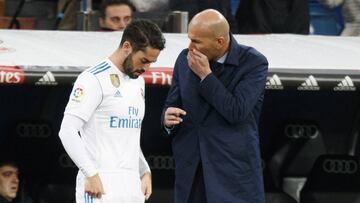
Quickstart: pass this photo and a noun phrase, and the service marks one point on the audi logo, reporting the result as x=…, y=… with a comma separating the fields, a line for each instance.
x=66, y=162
x=339, y=166
x=161, y=162
x=34, y=130
x=297, y=131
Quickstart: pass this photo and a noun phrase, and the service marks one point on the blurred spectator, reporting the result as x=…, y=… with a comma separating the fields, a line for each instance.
x=195, y=6
x=234, y=6
x=351, y=12
x=10, y=183
x=67, y=11
x=156, y=11
x=326, y=17
x=151, y=6
x=273, y=16
x=115, y=15
x=330, y=3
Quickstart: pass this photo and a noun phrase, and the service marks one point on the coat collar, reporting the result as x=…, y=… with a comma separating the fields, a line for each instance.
x=233, y=53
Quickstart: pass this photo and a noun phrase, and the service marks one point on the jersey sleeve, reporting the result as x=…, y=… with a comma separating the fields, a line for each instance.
x=85, y=96
x=74, y=146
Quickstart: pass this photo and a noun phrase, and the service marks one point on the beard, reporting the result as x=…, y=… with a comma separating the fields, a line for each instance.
x=129, y=68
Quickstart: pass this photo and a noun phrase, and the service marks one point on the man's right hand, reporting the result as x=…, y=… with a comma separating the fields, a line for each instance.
x=94, y=187
x=173, y=116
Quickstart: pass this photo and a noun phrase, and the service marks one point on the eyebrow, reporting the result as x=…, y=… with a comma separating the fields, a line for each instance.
x=9, y=171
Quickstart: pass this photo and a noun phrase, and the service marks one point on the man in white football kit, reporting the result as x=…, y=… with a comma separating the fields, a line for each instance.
x=102, y=121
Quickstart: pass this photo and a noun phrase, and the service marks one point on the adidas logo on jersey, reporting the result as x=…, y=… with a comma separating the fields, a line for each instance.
x=274, y=83
x=118, y=94
x=309, y=84
x=345, y=85
x=47, y=79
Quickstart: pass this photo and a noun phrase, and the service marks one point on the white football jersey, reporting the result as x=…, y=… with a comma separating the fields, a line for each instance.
x=113, y=107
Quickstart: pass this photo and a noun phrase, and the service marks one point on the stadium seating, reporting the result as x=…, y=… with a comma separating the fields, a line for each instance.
x=57, y=193
x=278, y=197
x=333, y=179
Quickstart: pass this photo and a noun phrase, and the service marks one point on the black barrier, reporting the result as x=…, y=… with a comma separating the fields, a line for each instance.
x=31, y=116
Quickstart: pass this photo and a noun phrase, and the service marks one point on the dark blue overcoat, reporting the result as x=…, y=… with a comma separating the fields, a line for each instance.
x=221, y=127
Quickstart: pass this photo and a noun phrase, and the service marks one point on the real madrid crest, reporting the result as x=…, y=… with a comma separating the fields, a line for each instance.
x=115, y=80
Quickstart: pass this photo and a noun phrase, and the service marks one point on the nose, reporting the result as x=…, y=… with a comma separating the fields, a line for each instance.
x=121, y=25
x=147, y=66
x=191, y=46
x=15, y=178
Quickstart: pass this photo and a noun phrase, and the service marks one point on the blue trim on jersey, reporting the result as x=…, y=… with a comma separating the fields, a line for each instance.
x=88, y=198
x=97, y=67
x=101, y=70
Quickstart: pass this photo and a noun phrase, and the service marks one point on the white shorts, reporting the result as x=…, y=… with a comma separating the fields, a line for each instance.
x=120, y=187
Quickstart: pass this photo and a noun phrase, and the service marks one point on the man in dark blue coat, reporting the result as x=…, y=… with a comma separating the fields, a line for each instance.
x=212, y=112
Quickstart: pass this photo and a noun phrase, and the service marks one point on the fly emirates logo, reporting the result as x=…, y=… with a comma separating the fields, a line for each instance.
x=11, y=75
x=132, y=121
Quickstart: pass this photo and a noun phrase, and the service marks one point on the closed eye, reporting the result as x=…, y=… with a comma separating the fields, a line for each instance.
x=146, y=61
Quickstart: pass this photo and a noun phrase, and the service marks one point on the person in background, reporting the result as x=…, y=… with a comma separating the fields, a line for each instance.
x=273, y=16
x=351, y=11
x=115, y=15
x=212, y=112
x=234, y=4
x=10, y=183
x=326, y=17
x=67, y=14
x=343, y=17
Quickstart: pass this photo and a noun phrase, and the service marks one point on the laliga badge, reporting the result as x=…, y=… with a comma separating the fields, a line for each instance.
x=115, y=80
x=77, y=94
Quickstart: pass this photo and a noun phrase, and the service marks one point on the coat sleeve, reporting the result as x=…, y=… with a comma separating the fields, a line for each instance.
x=173, y=98
x=236, y=105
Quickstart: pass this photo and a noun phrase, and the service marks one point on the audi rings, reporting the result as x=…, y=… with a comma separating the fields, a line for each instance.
x=34, y=130
x=340, y=166
x=161, y=162
x=306, y=131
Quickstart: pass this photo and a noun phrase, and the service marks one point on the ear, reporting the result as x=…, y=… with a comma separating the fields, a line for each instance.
x=102, y=22
x=127, y=47
x=220, y=42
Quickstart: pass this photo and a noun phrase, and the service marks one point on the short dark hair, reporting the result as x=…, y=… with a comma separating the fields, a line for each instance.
x=6, y=159
x=107, y=3
x=8, y=155
x=143, y=33
x=9, y=163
